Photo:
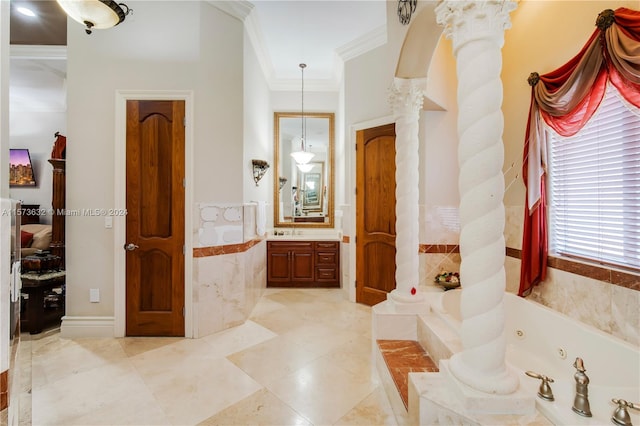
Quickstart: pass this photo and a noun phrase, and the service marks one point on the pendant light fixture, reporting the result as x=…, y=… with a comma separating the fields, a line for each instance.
x=302, y=156
x=95, y=14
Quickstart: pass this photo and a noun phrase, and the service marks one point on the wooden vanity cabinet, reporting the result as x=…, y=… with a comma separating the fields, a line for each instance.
x=303, y=264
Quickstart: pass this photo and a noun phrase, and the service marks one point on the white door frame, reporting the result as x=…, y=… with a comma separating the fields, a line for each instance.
x=120, y=202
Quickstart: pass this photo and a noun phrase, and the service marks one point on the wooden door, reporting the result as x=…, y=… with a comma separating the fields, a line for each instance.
x=375, y=214
x=155, y=218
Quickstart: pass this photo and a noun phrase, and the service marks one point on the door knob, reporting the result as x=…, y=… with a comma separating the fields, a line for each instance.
x=131, y=247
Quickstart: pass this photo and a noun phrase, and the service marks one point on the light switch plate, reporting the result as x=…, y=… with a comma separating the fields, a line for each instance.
x=94, y=295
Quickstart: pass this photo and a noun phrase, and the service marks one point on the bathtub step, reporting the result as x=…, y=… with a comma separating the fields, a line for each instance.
x=403, y=357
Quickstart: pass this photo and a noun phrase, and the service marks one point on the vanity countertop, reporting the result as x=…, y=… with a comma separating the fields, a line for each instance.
x=304, y=237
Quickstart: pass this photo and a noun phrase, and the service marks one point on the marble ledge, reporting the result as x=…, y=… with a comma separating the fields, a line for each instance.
x=228, y=249
x=628, y=280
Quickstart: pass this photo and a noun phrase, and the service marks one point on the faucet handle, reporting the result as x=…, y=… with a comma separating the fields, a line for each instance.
x=544, y=391
x=621, y=415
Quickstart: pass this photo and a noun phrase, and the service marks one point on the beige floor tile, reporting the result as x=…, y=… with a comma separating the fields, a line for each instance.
x=293, y=297
x=375, y=409
x=279, y=321
x=137, y=345
x=354, y=356
x=321, y=391
x=265, y=305
x=80, y=394
x=55, y=358
x=303, y=358
x=237, y=338
x=318, y=337
x=272, y=359
x=261, y=408
x=136, y=409
x=196, y=388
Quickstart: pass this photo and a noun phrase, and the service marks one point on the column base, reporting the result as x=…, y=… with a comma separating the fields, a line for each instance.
x=519, y=402
x=414, y=304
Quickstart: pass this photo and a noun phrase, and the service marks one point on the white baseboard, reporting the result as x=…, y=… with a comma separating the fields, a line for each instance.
x=74, y=327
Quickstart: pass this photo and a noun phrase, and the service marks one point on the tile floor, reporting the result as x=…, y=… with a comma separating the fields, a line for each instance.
x=303, y=358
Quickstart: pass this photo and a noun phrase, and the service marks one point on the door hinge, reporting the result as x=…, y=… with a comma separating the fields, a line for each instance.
x=183, y=311
x=184, y=121
x=184, y=182
x=355, y=191
x=355, y=284
x=184, y=250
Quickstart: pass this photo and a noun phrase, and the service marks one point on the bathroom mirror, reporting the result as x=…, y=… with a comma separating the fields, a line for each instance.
x=303, y=195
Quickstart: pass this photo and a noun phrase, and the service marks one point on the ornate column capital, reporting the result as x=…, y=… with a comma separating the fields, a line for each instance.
x=406, y=96
x=467, y=20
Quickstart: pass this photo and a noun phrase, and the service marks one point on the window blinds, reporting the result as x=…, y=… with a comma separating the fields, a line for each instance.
x=594, y=180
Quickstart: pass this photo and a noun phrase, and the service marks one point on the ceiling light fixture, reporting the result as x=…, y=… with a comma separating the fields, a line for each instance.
x=302, y=156
x=95, y=14
x=305, y=168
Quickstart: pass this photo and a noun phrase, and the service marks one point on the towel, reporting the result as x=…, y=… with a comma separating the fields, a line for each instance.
x=261, y=218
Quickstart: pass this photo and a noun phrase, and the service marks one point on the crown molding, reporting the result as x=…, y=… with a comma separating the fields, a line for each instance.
x=254, y=33
x=239, y=9
x=24, y=51
x=363, y=44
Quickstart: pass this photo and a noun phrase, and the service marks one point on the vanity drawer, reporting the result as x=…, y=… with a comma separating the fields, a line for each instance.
x=326, y=274
x=293, y=245
x=327, y=245
x=326, y=258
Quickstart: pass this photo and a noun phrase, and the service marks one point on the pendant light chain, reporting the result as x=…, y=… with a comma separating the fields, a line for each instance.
x=302, y=120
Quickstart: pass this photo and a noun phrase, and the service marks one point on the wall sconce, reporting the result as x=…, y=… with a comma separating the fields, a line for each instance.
x=405, y=10
x=281, y=182
x=260, y=167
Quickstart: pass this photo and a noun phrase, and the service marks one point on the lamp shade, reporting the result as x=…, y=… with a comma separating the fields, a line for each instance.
x=305, y=168
x=302, y=157
x=94, y=14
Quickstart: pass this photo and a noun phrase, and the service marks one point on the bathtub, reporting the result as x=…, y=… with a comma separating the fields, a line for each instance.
x=547, y=342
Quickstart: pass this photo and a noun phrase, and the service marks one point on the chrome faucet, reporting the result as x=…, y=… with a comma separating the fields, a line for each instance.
x=544, y=391
x=621, y=414
x=581, y=401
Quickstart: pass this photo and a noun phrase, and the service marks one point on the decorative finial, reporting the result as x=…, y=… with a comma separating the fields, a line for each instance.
x=605, y=19
x=533, y=79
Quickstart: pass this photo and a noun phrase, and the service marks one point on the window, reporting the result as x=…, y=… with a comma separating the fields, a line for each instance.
x=594, y=186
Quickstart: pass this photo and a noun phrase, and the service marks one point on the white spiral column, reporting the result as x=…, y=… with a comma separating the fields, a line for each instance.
x=406, y=97
x=477, y=31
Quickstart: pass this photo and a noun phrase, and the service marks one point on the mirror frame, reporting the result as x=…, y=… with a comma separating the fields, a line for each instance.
x=329, y=221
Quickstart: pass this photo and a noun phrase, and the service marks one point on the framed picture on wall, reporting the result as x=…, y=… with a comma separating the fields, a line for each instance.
x=21, y=168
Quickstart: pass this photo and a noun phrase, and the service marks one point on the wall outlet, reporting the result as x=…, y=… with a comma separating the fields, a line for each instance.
x=94, y=295
x=108, y=222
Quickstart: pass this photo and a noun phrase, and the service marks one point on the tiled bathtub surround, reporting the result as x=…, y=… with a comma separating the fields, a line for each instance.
x=225, y=224
x=435, y=258
x=229, y=266
x=227, y=287
x=603, y=298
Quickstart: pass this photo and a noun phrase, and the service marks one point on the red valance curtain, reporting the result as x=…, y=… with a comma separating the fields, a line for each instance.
x=565, y=99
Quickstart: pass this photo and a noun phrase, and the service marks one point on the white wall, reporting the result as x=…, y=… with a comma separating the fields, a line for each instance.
x=152, y=50
x=258, y=131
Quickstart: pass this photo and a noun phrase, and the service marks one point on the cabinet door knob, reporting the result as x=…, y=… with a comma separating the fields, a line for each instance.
x=131, y=247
